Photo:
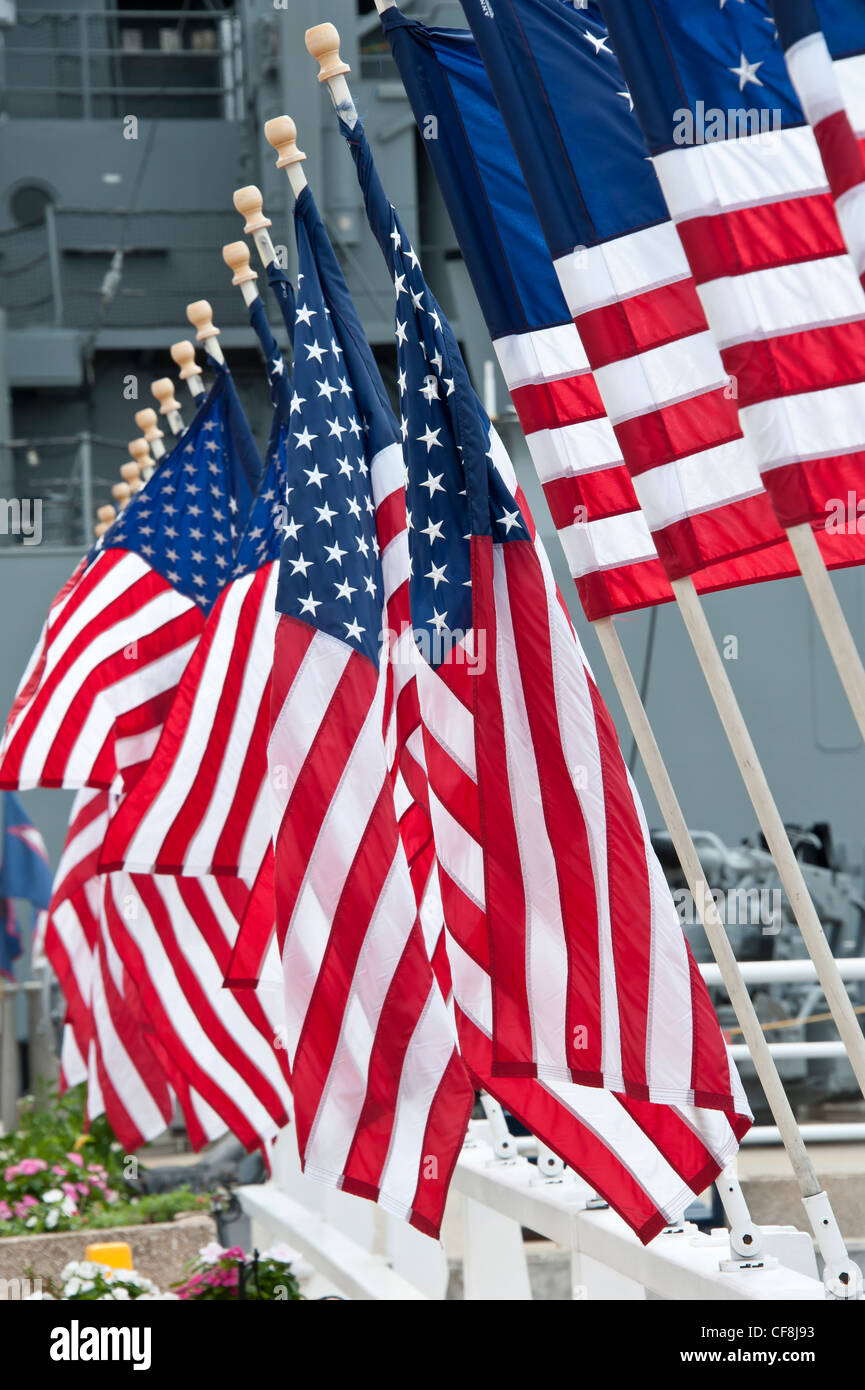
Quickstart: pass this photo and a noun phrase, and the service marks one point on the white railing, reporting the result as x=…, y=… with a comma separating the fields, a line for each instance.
x=359, y=1251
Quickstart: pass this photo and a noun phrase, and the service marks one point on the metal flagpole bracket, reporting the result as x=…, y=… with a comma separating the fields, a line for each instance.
x=842, y=1277
x=551, y=1168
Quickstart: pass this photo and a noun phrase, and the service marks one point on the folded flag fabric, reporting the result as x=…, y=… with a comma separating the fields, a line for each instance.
x=25, y=874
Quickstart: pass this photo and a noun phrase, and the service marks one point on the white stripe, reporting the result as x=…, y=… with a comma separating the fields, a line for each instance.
x=813, y=425
x=702, y=180
x=387, y=473
x=540, y=355
x=338, y=841
x=305, y=705
x=446, y=718
x=458, y=852
x=688, y=486
x=675, y=371
x=782, y=299
x=572, y=451
x=635, y=263
x=809, y=64
x=850, y=209
x=429, y=1052
x=345, y=1092
x=851, y=79
x=607, y=543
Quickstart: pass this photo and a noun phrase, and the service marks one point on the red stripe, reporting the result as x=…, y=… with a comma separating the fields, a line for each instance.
x=390, y=518
x=503, y=887
x=447, y=1123
x=675, y=431
x=624, y=589
x=563, y=816
x=641, y=322
x=813, y=359
x=715, y=535
x=590, y=496
x=466, y=921
x=548, y=405
x=840, y=152
x=630, y=902
x=755, y=238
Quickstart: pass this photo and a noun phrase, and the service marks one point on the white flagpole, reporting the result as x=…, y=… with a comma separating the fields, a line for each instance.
x=830, y=616
x=323, y=43
x=200, y=315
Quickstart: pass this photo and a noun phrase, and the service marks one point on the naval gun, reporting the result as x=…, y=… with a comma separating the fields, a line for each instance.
x=754, y=909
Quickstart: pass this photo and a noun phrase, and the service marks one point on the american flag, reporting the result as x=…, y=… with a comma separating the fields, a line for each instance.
x=558, y=912
x=24, y=873
x=119, y=634
x=832, y=95
x=757, y=222
x=576, y=452
x=202, y=804
x=629, y=289
x=381, y=1096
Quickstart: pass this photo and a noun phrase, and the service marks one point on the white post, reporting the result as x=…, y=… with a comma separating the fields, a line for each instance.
x=830, y=616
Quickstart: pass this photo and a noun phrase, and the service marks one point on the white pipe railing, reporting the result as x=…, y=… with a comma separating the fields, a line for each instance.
x=785, y=972
x=360, y=1251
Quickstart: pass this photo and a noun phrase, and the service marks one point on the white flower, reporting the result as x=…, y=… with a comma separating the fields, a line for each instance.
x=212, y=1252
x=53, y=1195
x=33, y=1221
x=51, y=1219
x=71, y=1287
x=120, y=1293
x=68, y=1207
x=126, y=1276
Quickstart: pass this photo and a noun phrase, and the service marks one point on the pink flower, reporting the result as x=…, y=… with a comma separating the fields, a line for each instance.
x=82, y=1188
x=61, y=1172
x=76, y=1159
x=28, y=1166
x=234, y=1253
x=5, y=1211
x=28, y=1201
x=11, y=1173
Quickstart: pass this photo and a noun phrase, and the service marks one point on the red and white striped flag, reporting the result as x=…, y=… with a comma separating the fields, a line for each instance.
x=122, y=629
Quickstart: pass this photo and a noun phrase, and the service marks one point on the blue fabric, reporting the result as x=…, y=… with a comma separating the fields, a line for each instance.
x=675, y=56
x=476, y=168
x=453, y=491
x=842, y=22
x=24, y=873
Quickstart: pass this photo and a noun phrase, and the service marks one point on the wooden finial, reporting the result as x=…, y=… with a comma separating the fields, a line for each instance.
x=121, y=492
x=322, y=41
x=148, y=422
x=250, y=204
x=137, y=485
x=200, y=315
x=183, y=355
x=106, y=513
x=140, y=451
x=130, y=472
x=281, y=133
x=163, y=390
x=100, y=528
x=236, y=257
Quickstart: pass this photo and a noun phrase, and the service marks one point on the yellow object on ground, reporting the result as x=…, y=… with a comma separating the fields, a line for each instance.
x=115, y=1253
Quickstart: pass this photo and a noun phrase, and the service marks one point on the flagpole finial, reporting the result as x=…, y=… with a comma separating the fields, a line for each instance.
x=322, y=41
x=140, y=451
x=121, y=492
x=183, y=356
x=106, y=513
x=236, y=257
x=100, y=528
x=148, y=422
x=281, y=133
x=200, y=315
x=130, y=472
x=163, y=390
x=249, y=202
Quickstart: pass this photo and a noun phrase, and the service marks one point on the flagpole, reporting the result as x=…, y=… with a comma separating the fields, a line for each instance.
x=200, y=315
x=322, y=42
x=183, y=356
x=830, y=616
x=169, y=405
